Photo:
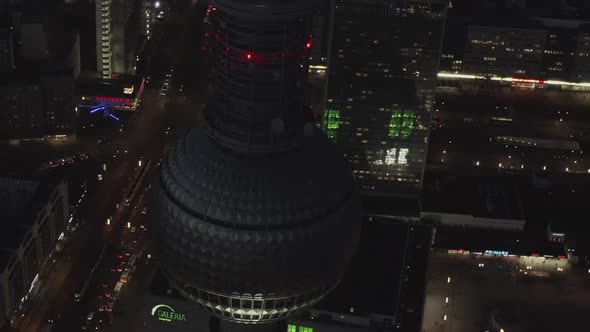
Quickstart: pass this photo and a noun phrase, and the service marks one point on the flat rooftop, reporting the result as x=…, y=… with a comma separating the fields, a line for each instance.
x=485, y=197
x=549, y=296
x=390, y=206
x=109, y=88
x=371, y=284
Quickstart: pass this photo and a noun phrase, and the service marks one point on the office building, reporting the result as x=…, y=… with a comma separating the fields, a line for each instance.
x=255, y=214
x=21, y=107
x=381, y=78
x=34, y=215
x=505, y=52
x=117, y=34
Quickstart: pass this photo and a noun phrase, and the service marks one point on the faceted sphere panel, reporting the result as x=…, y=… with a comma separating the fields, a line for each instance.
x=278, y=227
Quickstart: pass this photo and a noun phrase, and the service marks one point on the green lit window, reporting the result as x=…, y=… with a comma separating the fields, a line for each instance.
x=291, y=328
x=401, y=123
x=332, y=124
x=305, y=329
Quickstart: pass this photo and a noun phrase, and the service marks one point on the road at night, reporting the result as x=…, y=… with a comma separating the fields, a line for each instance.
x=160, y=121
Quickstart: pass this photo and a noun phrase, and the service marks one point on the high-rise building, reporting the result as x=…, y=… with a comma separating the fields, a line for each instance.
x=381, y=78
x=255, y=213
x=33, y=217
x=117, y=33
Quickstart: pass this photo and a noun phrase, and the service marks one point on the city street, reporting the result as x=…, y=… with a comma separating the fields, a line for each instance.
x=159, y=121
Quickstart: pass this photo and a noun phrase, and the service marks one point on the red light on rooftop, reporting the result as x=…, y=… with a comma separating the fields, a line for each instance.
x=249, y=56
x=308, y=45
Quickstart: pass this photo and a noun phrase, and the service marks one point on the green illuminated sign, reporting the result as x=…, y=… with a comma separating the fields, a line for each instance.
x=165, y=313
x=332, y=123
x=401, y=123
x=293, y=328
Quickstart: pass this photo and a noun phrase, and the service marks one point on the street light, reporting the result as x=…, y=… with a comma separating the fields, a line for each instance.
x=108, y=221
x=448, y=280
x=129, y=224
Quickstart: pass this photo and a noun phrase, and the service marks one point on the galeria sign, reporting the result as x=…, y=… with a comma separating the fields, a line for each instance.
x=165, y=313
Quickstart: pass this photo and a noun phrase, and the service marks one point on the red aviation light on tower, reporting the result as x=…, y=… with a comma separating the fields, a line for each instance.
x=249, y=56
x=308, y=45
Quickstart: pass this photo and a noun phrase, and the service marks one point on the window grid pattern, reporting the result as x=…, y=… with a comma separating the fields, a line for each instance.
x=250, y=309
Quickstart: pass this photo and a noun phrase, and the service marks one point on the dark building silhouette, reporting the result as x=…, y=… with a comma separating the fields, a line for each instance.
x=255, y=214
x=381, y=79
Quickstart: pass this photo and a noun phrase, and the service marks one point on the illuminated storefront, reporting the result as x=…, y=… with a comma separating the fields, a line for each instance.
x=119, y=95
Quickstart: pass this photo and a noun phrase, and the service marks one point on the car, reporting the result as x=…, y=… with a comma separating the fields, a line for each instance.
x=108, y=308
x=105, y=285
x=101, y=308
x=119, y=255
x=133, y=229
x=84, y=327
x=144, y=210
x=107, y=294
x=99, y=296
x=90, y=316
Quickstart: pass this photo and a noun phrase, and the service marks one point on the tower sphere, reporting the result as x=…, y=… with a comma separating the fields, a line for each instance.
x=252, y=223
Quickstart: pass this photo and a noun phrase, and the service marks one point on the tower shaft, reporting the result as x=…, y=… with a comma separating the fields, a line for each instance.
x=258, y=101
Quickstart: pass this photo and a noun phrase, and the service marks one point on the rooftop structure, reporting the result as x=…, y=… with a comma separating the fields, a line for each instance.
x=470, y=201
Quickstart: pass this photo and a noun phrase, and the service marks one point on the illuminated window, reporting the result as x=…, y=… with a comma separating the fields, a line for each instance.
x=332, y=123
x=291, y=328
x=401, y=157
x=401, y=123
x=305, y=329
x=390, y=156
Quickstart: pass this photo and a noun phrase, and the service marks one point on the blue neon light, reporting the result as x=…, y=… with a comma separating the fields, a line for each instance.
x=497, y=252
x=97, y=109
x=114, y=117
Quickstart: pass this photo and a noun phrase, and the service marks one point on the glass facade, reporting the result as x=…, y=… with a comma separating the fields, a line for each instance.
x=381, y=80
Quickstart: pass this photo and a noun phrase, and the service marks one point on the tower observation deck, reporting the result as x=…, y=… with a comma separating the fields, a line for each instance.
x=255, y=214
